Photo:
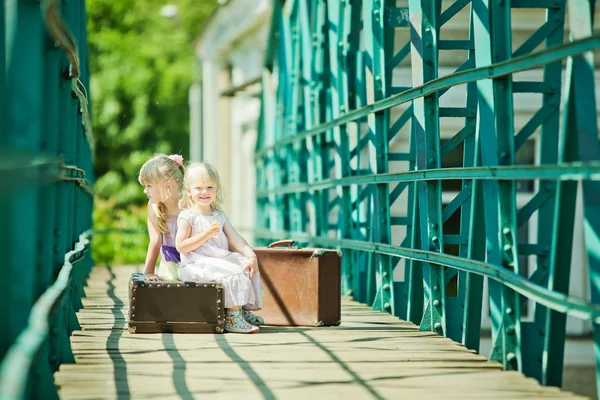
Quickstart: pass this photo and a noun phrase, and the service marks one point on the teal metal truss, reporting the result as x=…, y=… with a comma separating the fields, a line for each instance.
x=46, y=198
x=350, y=155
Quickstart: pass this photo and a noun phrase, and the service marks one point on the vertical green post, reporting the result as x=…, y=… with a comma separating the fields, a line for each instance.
x=507, y=347
x=424, y=58
x=583, y=129
x=338, y=12
x=374, y=30
x=25, y=125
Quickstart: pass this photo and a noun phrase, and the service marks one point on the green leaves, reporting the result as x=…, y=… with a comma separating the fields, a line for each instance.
x=141, y=69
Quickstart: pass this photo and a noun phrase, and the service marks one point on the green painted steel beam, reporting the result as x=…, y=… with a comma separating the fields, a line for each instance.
x=505, y=303
x=339, y=22
x=20, y=359
x=378, y=123
x=583, y=129
x=564, y=172
x=557, y=301
x=424, y=16
x=518, y=64
x=341, y=110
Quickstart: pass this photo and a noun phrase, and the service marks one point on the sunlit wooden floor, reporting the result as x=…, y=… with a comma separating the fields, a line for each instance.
x=371, y=355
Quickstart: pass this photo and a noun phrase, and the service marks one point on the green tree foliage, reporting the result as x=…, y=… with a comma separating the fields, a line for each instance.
x=141, y=69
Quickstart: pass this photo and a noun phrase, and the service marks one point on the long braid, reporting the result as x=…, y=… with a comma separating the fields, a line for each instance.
x=161, y=217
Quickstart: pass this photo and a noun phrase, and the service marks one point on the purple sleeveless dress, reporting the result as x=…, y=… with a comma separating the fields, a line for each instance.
x=169, y=256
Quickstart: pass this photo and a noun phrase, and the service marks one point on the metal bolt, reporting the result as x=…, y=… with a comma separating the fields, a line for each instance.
x=437, y=326
x=387, y=306
x=506, y=230
x=510, y=357
x=510, y=331
x=386, y=286
x=434, y=226
x=385, y=274
x=436, y=303
x=436, y=288
x=509, y=311
x=507, y=247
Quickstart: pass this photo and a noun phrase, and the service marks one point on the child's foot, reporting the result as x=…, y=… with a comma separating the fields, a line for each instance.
x=235, y=323
x=253, y=319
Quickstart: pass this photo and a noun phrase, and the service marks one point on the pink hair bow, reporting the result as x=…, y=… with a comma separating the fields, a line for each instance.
x=177, y=158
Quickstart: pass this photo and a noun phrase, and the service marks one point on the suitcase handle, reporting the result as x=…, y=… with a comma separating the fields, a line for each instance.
x=280, y=243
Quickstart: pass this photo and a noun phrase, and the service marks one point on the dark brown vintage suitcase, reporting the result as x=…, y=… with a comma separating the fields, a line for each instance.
x=175, y=306
x=301, y=286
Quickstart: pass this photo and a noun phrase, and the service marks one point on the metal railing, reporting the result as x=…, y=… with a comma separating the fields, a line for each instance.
x=351, y=155
x=46, y=150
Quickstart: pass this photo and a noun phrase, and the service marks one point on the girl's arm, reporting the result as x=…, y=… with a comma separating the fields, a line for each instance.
x=185, y=242
x=154, y=245
x=236, y=242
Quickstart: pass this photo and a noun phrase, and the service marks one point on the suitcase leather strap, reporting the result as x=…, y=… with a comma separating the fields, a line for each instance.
x=281, y=243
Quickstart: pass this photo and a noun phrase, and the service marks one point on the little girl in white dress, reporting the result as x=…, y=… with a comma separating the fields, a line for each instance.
x=213, y=251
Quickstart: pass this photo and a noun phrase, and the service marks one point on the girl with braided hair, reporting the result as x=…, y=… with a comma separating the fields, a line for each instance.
x=162, y=179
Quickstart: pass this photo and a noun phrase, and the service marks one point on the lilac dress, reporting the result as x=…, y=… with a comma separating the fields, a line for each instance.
x=169, y=256
x=213, y=262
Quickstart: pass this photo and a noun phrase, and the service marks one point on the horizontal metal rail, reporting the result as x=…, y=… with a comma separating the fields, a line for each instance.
x=511, y=66
x=554, y=300
x=39, y=169
x=22, y=353
x=562, y=172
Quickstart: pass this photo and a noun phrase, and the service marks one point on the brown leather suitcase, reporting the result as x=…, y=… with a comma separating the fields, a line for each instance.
x=301, y=286
x=175, y=306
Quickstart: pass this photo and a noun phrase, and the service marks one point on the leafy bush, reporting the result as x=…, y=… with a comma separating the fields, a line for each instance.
x=141, y=67
x=122, y=238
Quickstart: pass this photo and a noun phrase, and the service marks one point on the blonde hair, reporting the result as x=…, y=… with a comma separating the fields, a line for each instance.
x=206, y=173
x=158, y=171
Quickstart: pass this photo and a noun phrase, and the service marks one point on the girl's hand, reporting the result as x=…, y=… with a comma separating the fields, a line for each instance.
x=252, y=266
x=152, y=278
x=213, y=230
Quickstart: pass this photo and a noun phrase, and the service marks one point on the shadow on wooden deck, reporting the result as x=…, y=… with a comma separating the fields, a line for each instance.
x=371, y=355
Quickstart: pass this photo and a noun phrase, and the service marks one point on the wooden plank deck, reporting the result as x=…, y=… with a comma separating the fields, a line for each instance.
x=370, y=356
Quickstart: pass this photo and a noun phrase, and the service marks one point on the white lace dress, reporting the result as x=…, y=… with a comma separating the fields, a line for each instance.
x=213, y=262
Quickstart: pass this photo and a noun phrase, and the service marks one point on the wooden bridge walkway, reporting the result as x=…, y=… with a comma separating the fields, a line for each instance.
x=371, y=355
